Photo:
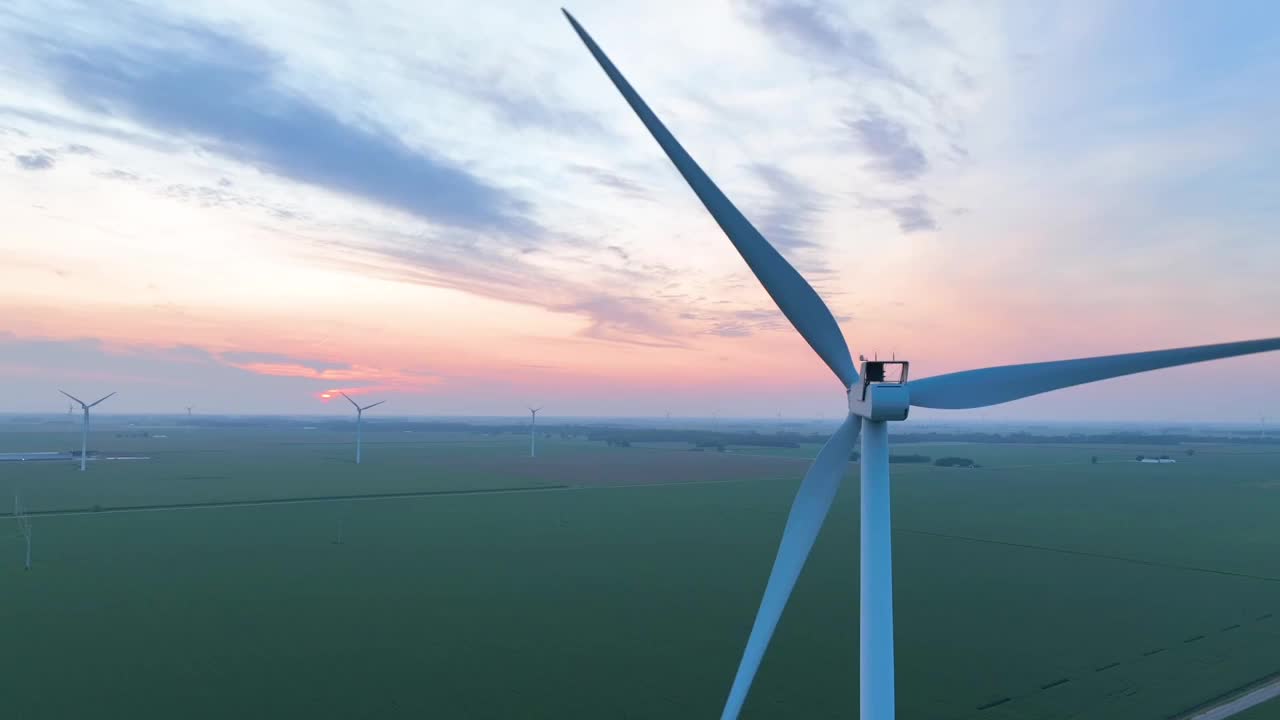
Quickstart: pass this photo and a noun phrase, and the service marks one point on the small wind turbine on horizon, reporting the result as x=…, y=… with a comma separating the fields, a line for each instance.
x=84, y=428
x=24, y=525
x=359, y=420
x=189, y=408
x=874, y=399
x=533, y=431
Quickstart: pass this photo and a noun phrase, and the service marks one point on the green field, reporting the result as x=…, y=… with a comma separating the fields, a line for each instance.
x=621, y=582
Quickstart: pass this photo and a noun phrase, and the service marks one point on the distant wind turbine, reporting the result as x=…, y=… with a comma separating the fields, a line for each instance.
x=24, y=525
x=360, y=420
x=874, y=398
x=84, y=428
x=189, y=407
x=533, y=432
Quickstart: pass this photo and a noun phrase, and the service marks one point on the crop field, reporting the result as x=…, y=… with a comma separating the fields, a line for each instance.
x=452, y=576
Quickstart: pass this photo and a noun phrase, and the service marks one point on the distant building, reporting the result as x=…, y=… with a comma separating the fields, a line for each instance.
x=1159, y=461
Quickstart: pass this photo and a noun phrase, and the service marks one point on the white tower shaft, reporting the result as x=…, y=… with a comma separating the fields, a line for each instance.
x=533, y=433
x=84, y=439
x=359, y=433
x=876, y=678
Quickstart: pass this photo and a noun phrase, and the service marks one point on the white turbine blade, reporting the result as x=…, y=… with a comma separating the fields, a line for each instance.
x=817, y=491
x=995, y=385
x=100, y=400
x=353, y=402
x=790, y=292
x=73, y=397
x=366, y=407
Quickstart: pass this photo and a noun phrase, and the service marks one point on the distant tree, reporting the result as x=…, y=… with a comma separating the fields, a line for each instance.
x=954, y=462
x=1141, y=458
x=1094, y=459
x=909, y=458
x=1191, y=451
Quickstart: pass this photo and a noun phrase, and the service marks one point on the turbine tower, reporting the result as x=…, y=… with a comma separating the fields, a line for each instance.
x=533, y=432
x=189, y=407
x=84, y=428
x=359, y=420
x=24, y=526
x=874, y=399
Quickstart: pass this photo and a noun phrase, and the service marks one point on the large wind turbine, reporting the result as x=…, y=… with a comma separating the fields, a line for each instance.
x=359, y=420
x=874, y=399
x=533, y=432
x=84, y=428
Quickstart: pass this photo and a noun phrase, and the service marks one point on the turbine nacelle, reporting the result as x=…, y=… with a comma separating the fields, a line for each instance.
x=881, y=393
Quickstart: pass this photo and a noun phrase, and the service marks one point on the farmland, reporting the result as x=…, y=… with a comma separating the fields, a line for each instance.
x=599, y=581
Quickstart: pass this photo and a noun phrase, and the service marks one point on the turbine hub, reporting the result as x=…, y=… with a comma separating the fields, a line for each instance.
x=882, y=394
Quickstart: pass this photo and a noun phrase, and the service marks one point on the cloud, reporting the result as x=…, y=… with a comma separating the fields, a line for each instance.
x=623, y=319
x=36, y=160
x=208, y=196
x=512, y=104
x=247, y=357
x=610, y=302
x=219, y=92
x=894, y=153
x=151, y=378
x=914, y=218
x=603, y=177
x=740, y=323
x=118, y=174
x=818, y=31
x=63, y=123
x=791, y=214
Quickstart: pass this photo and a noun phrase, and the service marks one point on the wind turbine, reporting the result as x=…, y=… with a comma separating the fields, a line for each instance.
x=359, y=420
x=24, y=526
x=84, y=428
x=874, y=399
x=533, y=432
x=189, y=407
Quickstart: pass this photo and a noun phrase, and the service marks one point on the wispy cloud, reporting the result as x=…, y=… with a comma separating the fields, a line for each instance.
x=611, y=180
x=34, y=161
x=515, y=104
x=792, y=211
x=889, y=143
x=817, y=30
x=219, y=92
x=249, y=357
x=469, y=263
x=914, y=218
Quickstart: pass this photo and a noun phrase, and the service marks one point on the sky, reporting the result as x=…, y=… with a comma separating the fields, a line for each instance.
x=241, y=205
